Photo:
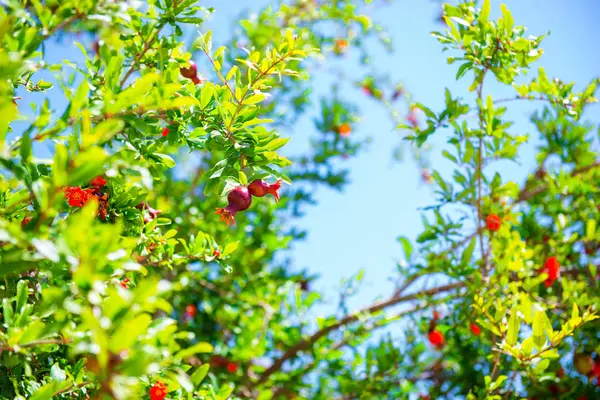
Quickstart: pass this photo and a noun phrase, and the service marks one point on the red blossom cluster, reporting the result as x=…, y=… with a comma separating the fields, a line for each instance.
x=552, y=268
x=493, y=222
x=158, y=391
x=79, y=197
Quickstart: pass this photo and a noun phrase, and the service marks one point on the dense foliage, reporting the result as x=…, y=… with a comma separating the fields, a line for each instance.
x=140, y=259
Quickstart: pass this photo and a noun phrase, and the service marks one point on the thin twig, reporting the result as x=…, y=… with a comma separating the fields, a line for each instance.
x=63, y=24
x=72, y=387
x=141, y=54
x=526, y=194
x=374, y=308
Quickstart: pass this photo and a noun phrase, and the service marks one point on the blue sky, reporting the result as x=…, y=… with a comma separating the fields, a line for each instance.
x=358, y=227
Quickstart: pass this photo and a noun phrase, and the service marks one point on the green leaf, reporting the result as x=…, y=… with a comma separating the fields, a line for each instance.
x=207, y=93
x=575, y=313
x=103, y=132
x=541, y=366
x=230, y=248
x=276, y=144
x=484, y=14
x=79, y=99
x=255, y=98
x=200, y=373
x=57, y=374
x=164, y=159
x=201, y=347
x=22, y=294
x=468, y=253
x=527, y=346
x=25, y=149
x=7, y=311
x=407, y=246
x=590, y=229
x=539, y=324
x=463, y=69
x=514, y=324
x=507, y=19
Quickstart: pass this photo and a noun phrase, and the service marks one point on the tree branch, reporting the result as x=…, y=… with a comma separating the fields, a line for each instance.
x=528, y=193
x=378, y=306
x=141, y=54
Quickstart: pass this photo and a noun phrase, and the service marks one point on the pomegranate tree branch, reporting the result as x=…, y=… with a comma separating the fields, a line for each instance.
x=35, y=343
x=72, y=387
x=374, y=308
x=527, y=193
x=63, y=24
x=220, y=75
x=141, y=54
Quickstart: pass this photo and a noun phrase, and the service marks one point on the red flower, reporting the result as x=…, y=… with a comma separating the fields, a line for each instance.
x=190, y=311
x=552, y=268
x=232, y=367
x=436, y=338
x=165, y=132
x=125, y=283
x=77, y=197
x=25, y=221
x=341, y=45
x=260, y=188
x=98, y=182
x=493, y=222
x=344, y=130
x=158, y=391
x=476, y=330
x=216, y=253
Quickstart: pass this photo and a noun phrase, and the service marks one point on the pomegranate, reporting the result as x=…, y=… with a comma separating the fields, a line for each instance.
x=584, y=363
x=231, y=367
x=190, y=311
x=476, y=330
x=260, y=188
x=436, y=338
x=239, y=199
x=191, y=73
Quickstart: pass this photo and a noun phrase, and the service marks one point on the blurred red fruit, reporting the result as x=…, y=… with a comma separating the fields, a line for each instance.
x=476, y=330
x=552, y=268
x=436, y=338
x=344, y=130
x=232, y=367
x=190, y=311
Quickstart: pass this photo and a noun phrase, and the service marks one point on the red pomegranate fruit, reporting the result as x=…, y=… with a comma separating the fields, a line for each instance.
x=191, y=73
x=260, y=188
x=239, y=199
